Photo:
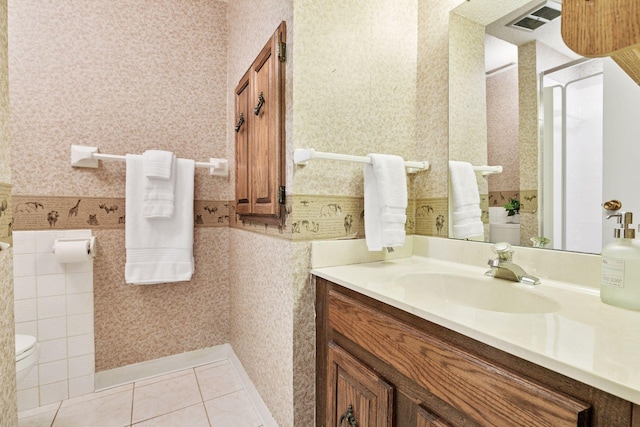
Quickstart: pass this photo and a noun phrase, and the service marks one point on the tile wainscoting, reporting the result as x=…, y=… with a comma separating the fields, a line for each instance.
x=54, y=303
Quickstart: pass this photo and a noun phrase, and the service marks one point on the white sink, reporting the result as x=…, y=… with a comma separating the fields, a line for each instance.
x=480, y=292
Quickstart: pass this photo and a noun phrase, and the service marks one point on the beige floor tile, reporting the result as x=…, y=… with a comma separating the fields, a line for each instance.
x=218, y=380
x=112, y=410
x=99, y=394
x=192, y=416
x=43, y=419
x=164, y=377
x=163, y=397
x=233, y=410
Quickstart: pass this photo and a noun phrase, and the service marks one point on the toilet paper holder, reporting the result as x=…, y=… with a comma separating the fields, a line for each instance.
x=92, y=243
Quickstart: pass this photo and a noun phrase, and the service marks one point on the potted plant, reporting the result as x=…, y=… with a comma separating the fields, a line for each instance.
x=513, y=210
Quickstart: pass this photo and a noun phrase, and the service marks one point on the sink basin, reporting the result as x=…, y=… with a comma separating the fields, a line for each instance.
x=480, y=292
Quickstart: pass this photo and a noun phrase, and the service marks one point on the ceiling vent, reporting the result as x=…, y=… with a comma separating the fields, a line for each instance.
x=538, y=17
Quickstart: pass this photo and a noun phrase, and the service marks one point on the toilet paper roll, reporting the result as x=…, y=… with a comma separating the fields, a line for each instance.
x=72, y=251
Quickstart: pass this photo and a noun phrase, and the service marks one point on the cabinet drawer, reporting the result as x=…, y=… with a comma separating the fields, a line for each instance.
x=487, y=393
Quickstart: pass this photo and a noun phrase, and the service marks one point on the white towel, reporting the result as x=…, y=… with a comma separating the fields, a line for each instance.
x=158, y=164
x=466, y=216
x=385, y=201
x=159, y=184
x=159, y=250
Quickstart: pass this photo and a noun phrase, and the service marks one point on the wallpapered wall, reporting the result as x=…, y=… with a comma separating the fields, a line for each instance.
x=8, y=396
x=145, y=76
x=125, y=78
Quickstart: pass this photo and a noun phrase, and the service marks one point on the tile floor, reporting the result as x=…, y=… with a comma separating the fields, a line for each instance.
x=208, y=396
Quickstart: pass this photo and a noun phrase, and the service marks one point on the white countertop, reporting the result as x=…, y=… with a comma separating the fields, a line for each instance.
x=583, y=339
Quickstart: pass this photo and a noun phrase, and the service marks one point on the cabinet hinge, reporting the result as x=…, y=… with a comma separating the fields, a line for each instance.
x=282, y=51
x=282, y=195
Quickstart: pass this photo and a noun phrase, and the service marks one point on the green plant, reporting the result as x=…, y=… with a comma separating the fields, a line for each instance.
x=513, y=207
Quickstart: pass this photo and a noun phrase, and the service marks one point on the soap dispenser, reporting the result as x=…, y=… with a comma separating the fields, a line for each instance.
x=620, y=275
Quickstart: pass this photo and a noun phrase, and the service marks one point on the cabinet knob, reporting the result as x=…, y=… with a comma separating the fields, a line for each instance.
x=260, y=104
x=348, y=417
x=240, y=122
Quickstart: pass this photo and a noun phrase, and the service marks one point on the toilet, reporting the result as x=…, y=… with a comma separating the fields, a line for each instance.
x=505, y=233
x=26, y=355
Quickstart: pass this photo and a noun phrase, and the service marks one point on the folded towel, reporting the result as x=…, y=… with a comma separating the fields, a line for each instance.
x=159, y=250
x=466, y=215
x=158, y=164
x=159, y=176
x=385, y=201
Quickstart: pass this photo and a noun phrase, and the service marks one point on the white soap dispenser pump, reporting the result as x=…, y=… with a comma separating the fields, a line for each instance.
x=620, y=275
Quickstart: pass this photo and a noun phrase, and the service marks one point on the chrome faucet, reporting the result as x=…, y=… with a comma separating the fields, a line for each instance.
x=503, y=268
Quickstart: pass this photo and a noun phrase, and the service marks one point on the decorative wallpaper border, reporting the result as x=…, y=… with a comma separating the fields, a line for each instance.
x=97, y=213
x=317, y=217
x=528, y=199
x=309, y=217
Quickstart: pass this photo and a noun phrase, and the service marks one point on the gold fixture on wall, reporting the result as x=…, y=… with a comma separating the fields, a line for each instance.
x=604, y=28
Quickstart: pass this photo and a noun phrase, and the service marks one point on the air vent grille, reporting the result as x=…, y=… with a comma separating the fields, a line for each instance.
x=537, y=18
x=547, y=13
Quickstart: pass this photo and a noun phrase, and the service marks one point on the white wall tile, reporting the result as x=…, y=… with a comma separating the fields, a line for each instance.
x=52, y=328
x=24, y=287
x=24, y=265
x=24, y=242
x=80, y=267
x=26, y=310
x=30, y=381
x=55, y=306
x=81, y=366
x=51, y=284
x=78, y=283
x=79, y=324
x=54, y=302
x=47, y=263
x=81, y=385
x=27, y=328
x=80, y=303
x=55, y=392
x=81, y=345
x=45, y=240
x=52, y=372
x=28, y=399
x=53, y=350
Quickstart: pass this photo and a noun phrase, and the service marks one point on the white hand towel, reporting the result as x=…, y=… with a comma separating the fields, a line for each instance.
x=159, y=184
x=159, y=250
x=385, y=201
x=466, y=216
x=158, y=164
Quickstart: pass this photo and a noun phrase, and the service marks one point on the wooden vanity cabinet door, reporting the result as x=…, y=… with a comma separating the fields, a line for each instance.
x=260, y=168
x=265, y=150
x=243, y=197
x=353, y=389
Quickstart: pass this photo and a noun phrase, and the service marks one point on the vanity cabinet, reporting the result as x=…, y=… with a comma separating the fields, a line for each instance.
x=373, y=358
x=259, y=128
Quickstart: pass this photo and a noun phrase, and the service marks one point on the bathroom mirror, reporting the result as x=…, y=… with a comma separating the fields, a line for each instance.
x=520, y=99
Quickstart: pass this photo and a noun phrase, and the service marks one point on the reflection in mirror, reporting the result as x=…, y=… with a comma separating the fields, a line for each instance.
x=520, y=99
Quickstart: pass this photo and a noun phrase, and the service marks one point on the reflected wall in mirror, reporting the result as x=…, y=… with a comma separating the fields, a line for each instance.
x=519, y=98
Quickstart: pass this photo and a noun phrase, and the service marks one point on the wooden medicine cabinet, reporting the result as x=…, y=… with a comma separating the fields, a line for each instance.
x=260, y=136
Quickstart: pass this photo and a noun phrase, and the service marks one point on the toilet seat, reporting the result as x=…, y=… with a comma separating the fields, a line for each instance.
x=25, y=346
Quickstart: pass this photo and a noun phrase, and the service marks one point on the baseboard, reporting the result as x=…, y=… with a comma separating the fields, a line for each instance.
x=165, y=365
x=256, y=399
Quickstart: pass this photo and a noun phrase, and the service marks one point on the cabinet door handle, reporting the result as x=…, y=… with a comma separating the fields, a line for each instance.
x=240, y=122
x=348, y=417
x=260, y=104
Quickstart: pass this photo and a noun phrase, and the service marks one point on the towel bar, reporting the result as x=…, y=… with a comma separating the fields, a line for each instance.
x=83, y=156
x=488, y=170
x=302, y=155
